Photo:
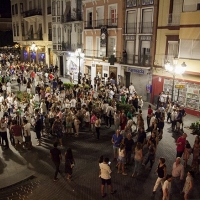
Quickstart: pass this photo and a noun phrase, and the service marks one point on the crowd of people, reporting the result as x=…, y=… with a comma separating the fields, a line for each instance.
x=52, y=110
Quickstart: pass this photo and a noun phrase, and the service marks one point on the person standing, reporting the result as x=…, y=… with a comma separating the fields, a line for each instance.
x=105, y=177
x=129, y=142
x=69, y=163
x=97, y=126
x=3, y=132
x=178, y=174
x=161, y=171
x=38, y=128
x=116, y=140
x=181, y=141
x=166, y=188
x=57, y=129
x=149, y=112
x=188, y=184
x=56, y=157
x=121, y=159
x=27, y=134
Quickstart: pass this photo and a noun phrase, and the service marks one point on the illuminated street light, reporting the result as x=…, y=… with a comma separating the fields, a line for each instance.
x=174, y=70
x=33, y=47
x=79, y=55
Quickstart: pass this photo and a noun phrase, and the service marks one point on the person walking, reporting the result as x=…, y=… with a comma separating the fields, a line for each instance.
x=97, y=126
x=161, y=171
x=178, y=175
x=56, y=157
x=121, y=159
x=181, y=141
x=38, y=128
x=69, y=163
x=105, y=177
x=166, y=188
x=188, y=184
x=3, y=132
x=57, y=129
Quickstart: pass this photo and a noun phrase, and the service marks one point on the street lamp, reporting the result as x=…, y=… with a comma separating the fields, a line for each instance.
x=33, y=47
x=175, y=69
x=79, y=55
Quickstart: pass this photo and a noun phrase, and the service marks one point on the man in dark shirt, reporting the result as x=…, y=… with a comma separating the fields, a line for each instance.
x=56, y=157
x=38, y=128
x=129, y=148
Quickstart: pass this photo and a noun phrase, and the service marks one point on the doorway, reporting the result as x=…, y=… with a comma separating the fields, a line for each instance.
x=127, y=78
x=61, y=65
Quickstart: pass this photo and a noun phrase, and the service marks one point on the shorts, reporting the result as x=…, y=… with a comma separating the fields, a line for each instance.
x=115, y=149
x=106, y=181
x=18, y=139
x=121, y=160
x=27, y=138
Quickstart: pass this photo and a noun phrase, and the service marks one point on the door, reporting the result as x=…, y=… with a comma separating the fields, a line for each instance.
x=61, y=65
x=100, y=17
x=111, y=46
x=131, y=22
x=90, y=19
x=127, y=78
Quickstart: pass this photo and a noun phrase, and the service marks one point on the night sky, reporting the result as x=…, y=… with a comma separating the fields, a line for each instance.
x=5, y=9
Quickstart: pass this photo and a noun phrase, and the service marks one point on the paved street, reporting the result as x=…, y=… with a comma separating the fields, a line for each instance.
x=15, y=166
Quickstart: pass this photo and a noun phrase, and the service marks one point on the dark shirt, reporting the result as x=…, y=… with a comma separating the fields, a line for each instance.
x=55, y=153
x=129, y=144
x=157, y=115
x=160, y=171
x=141, y=137
x=38, y=125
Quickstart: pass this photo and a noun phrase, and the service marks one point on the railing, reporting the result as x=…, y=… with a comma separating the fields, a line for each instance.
x=30, y=13
x=145, y=27
x=49, y=10
x=71, y=18
x=131, y=59
x=99, y=23
x=130, y=28
x=174, y=19
x=112, y=22
x=36, y=36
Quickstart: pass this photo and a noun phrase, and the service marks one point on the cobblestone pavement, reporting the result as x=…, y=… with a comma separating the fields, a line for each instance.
x=85, y=184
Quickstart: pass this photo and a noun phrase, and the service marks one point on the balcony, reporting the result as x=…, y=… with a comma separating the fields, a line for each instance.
x=174, y=19
x=112, y=23
x=30, y=13
x=146, y=27
x=130, y=28
x=131, y=59
x=33, y=37
x=49, y=10
x=71, y=17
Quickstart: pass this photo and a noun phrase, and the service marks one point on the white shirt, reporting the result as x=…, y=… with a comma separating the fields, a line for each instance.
x=73, y=103
x=131, y=89
x=178, y=171
x=152, y=120
x=105, y=171
x=166, y=185
x=27, y=128
x=87, y=117
x=1, y=99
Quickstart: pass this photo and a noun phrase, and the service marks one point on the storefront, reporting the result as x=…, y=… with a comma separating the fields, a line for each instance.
x=141, y=79
x=189, y=96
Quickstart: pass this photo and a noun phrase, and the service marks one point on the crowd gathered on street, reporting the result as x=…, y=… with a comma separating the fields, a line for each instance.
x=52, y=110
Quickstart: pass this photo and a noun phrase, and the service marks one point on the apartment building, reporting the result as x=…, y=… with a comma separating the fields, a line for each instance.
x=67, y=27
x=139, y=43
x=103, y=43
x=178, y=37
x=31, y=24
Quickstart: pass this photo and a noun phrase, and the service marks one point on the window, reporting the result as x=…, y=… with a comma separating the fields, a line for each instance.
x=17, y=29
x=58, y=8
x=14, y=30
x=189, y=49
x=30, y=5
x=16, y=9
x=54, y=8
x=147, y=19
x=111, y=46
x=49, y=32
x=21, y=8
x=79, y=36
x=112, y=15
x=89, y=46
x=23, y=31
x=131, y=21
x=59, y=35
x=54, y=32
x=13, y=9
x=130, y=49
x=173, y=48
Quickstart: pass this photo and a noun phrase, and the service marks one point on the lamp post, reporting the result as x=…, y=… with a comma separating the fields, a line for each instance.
x=175, y=69
x=79, y=55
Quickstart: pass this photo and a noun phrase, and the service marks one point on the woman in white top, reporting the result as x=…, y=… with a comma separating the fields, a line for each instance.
x=121, y=159
x=166, y=188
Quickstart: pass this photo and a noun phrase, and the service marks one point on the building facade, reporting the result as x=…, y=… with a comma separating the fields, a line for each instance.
x=67, y=27
x=31, y=24
x=103, y=29
x=178, y=36
x=139, y=42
